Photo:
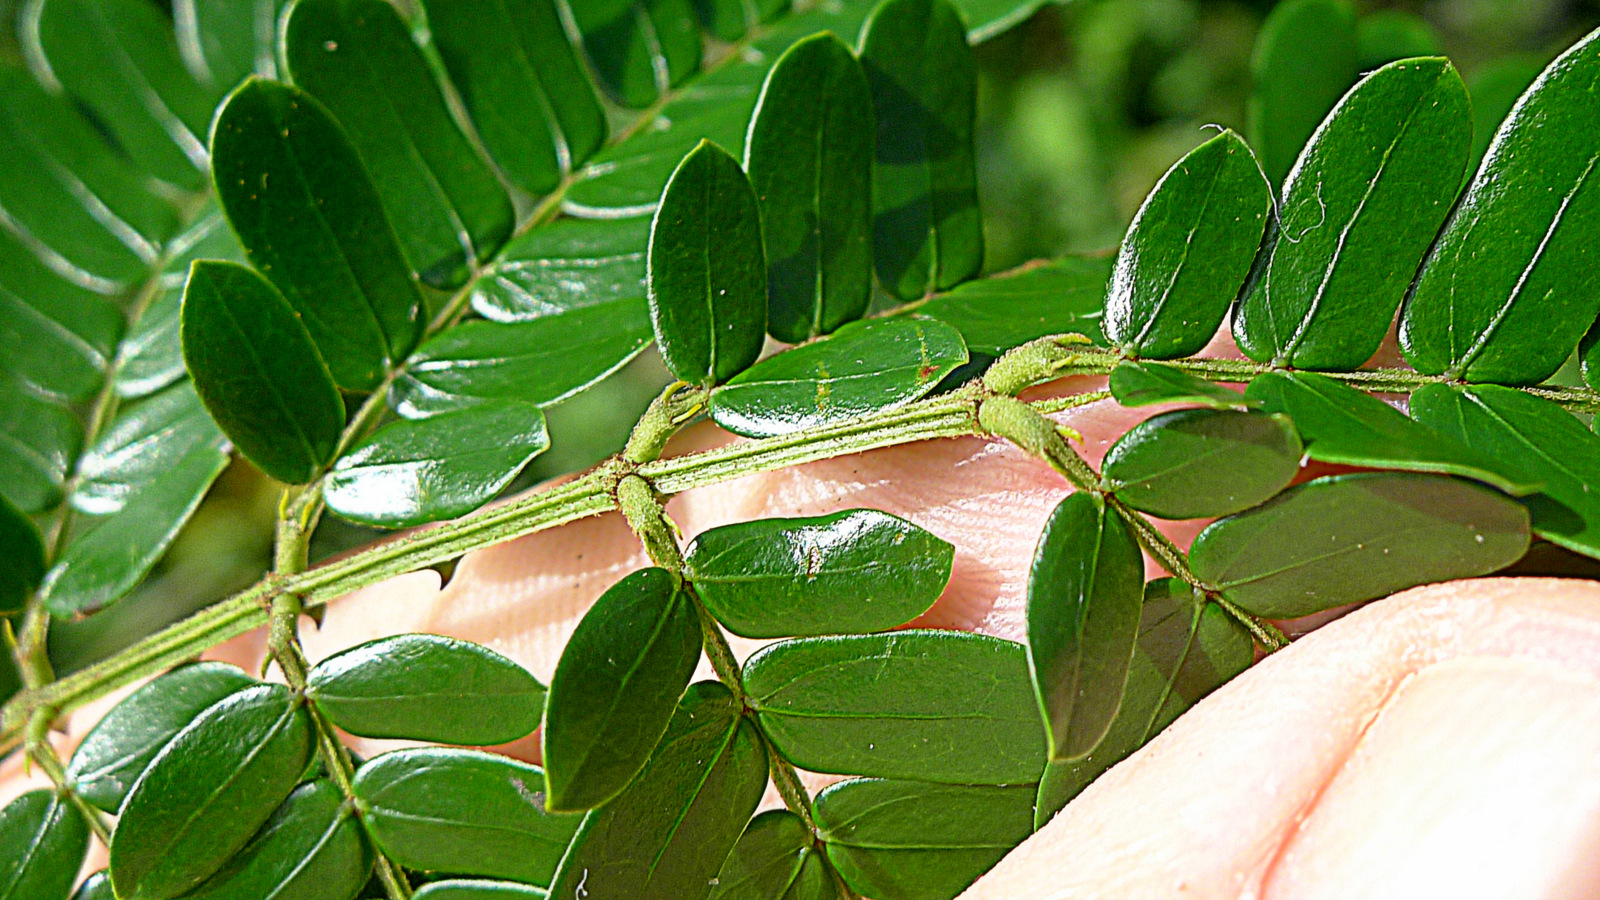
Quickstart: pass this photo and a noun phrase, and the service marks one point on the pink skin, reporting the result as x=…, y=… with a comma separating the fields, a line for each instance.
x=1443, y=742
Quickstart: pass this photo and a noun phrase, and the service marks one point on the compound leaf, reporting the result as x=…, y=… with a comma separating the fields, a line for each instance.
x=1084, y=589
x=862, y=368
x=411, y=472
x=311, y=849
x=1352, y=538
x=1187, y=252
x=775, y=859
x=463, y=811
x=940, y=706
x=258, y=372
x=1002, y=311
x=615, y=688
x=425, y=687
x=859, y=570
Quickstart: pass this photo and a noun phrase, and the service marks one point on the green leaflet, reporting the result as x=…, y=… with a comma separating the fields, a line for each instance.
x=728, y=20
x=89, y=209
x=1147, y=383
x=1359, y=210
x=1390, y=34
x=46, y=441
x=809, y=155
x=317, y=231
x=151, y=106
x=1346, y=426
x=59, y=337
x=994, y=314
x=1186, y=649
x=208, y=791
x=311, y=849
x=1084, y=589
x=474, y=889
x=614, y=690
x=862, y=368
x=424, y=687
x=258, y=372
x=43, y=841
x=136, y=488
x=539, y=362
x=1507, y=290
x=667, y=835
x=150, y=357
x=463, y=811
x=939, y=706
x=1352, y=538
x=22, y=550
x=411, y=472
x=567, y=265
x=1537, y=439
x=907, y=840
x=96, y=887
x=522, y=83
x=1305, y=59
x=115, y=752
x=1201, y=463
x=859, y=570
x=776, y=859
x=639, y=48
x=1188, y=251
x=1495, y=87
x=707, y=269
x=225, y=41
x=927, y=233
x=357, y=57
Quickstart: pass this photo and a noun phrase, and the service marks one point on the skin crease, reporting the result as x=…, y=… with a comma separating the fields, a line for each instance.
x=1444, y=742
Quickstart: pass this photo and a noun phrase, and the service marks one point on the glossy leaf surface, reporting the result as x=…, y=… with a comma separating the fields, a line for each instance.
x=357, y=57
x=994, y=314
x=908, y=840
x=859, y=570
x=667, y=835
x=475, y=889
x=136, y=488
x=616, y=686
x=310, y=219
x=208, y=791
x=1084, y=590
x=311, y=849
x=61, y=335
x=225, y=41
x=1188, y=251
x=1305, y=58
x=809, y=155
x=862, y=368
x=1542, y=442
x=639, y=48
x=115, y=752
x=538, y=362
x=1345, y=426
x=46, y=438
x=1186, y=649
x=776, y=859
x=411, y=472
x=151, y=105
x=1359, y=210
x=258, y=372
x=937, y=706
x=1146, y=384
x=464, y=812
x=43, y=841
x=1509, y=286
x=1201, y=463
x=707, y=269
x=22, y=552
x=425, y=687
x=568, y=265
x=523, y=85
x=1352, y=538
x=927, y=231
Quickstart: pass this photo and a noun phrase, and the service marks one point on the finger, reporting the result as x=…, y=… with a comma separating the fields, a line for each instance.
x=1443, y=742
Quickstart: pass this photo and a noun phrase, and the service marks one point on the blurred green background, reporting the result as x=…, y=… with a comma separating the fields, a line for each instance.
x=1082, y=108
